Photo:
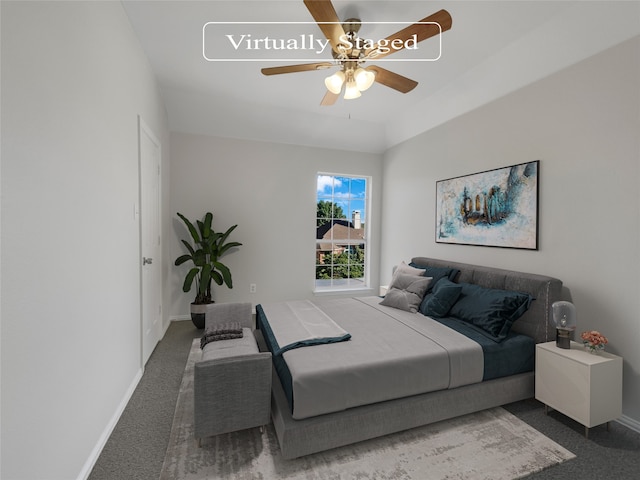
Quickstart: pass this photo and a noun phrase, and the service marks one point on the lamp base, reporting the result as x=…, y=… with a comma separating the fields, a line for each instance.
x=563, y=338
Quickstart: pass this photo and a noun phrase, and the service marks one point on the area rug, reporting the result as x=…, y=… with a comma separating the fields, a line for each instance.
x=492, y=444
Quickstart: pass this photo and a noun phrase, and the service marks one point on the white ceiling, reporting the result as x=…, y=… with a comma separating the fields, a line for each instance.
x=493, y=48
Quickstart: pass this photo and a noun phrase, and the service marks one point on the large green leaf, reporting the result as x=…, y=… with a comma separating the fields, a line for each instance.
x=216, y=277
x=192, y=229
x=222, y=250
x=183, y=258
x=225, y=235
x=189, y=247
x=208, y=219
x=205, y=278
x=226, y=273
x=188, y=280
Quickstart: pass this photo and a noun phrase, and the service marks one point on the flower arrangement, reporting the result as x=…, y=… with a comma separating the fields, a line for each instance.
x=594, y=340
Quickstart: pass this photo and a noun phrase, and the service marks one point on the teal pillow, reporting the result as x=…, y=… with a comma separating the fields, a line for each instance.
x=438, y=303
x=437, y=273
x=492, y=310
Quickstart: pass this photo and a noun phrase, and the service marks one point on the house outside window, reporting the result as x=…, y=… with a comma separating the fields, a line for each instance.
x=342, y=209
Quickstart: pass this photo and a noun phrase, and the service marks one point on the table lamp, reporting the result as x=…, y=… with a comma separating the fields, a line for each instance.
x=564, y=316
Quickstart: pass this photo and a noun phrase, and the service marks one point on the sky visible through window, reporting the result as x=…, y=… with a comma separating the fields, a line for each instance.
x=346, y=192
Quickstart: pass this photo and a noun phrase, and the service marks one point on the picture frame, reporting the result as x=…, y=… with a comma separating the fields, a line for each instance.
x=494, y=208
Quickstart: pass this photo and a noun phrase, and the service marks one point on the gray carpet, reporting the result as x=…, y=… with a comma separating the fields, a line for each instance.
x=488, y=445
x=137, y=446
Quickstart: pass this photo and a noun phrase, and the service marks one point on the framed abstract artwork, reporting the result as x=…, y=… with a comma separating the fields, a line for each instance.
x=495, y=208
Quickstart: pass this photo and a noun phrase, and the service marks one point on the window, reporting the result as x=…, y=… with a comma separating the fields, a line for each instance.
x=341, y=232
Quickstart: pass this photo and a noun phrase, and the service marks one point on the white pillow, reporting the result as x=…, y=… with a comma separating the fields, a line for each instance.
x=408, y=270
x=406, y=292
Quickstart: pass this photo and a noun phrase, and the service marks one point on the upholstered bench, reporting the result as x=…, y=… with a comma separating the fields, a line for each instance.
x=232, y=380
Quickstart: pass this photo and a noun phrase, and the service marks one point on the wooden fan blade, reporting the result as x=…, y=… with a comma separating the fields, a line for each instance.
x=327, y=19
x=303, y=67
x=329, y=99
x=393, y=80
x=421, y=30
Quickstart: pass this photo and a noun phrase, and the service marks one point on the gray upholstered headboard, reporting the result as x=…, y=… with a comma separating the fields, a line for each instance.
x=536, y=322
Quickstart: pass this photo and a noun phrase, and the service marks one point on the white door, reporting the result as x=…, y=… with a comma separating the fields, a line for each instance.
x=151, y=282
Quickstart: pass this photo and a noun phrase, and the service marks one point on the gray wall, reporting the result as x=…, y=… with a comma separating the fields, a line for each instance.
x=74, y=80
x=269, y=190
x=583, y=125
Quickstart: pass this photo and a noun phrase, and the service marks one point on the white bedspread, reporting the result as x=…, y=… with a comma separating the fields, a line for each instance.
x=391, y=354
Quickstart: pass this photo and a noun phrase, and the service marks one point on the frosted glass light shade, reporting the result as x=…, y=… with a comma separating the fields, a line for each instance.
x=564, y=316
x=364, y=78
x=351, y=91
x=334, y=82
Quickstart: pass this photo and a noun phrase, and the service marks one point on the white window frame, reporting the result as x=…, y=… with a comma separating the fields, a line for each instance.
x=335, y=286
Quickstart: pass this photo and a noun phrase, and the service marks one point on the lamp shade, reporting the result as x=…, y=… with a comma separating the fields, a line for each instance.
x=334, y=82
x=364, y=78
x=351, y=91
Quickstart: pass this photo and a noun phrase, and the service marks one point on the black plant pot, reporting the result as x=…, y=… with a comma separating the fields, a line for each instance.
x=198, y=315
x=198, y=320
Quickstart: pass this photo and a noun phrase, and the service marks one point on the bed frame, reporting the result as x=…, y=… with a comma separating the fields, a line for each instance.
x=311, y=435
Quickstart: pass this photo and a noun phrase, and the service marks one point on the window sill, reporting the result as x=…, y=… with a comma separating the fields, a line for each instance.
x=343, y=291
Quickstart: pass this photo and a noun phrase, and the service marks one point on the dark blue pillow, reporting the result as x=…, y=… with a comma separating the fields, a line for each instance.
x=438, y=303
x=436, y=273
x=493, y=310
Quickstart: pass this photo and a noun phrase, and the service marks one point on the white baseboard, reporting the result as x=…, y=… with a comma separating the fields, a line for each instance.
x=179, y=318
x=629, y=423
x=95, y=453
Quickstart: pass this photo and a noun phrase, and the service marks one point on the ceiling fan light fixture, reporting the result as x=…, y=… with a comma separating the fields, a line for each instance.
x=351, y=91
x=334, y=82
x=364, y=78
x=350, y=52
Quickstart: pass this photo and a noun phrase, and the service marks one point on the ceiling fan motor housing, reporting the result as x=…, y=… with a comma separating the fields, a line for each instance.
x=352, y=26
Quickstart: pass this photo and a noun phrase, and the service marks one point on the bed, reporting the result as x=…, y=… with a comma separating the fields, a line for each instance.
x=372, y=367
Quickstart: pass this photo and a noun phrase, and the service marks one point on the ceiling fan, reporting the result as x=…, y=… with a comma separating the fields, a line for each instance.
x=350, y=52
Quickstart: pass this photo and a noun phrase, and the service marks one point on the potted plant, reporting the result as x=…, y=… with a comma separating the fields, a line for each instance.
x=208, y=246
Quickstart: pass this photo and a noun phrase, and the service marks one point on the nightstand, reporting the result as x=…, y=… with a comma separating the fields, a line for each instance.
x=579, y=384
